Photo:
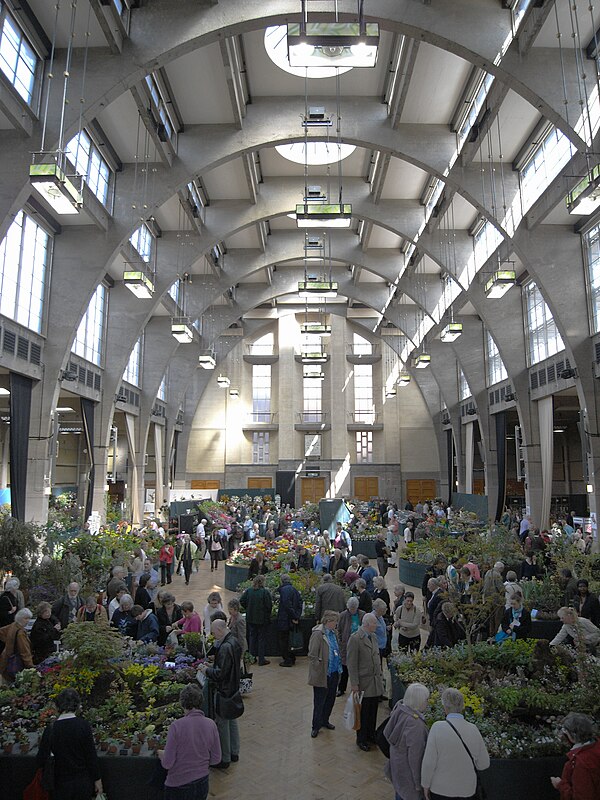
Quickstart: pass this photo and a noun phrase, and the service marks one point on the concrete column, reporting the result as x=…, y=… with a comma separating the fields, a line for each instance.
x=289, y=400
x=341, y=399
x=469, y=430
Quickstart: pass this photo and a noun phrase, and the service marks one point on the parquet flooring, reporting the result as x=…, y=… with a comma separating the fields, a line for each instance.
x=278, y=758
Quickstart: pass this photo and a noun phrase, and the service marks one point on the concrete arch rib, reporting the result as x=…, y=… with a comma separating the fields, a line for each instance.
x=194, y=26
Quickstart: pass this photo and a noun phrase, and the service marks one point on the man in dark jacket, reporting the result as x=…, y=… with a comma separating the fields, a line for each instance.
x=69, y=604
x=224, y=676
x=447, y=632
x=586, y=603
x=257, y=603
x=329, y=597
x=288, y=616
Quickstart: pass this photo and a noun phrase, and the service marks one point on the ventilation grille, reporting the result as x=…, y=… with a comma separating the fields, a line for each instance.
x=129, y=396
x=159, y=411
x=89, y=378
x=551, y=372
x=498, y=395
x=14, y=344
x=597, y=352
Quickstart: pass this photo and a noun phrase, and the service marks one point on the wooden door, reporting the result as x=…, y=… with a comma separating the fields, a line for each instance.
x=478, y=486
x=420, y=490
x=260, y=483
x=312, y=490
x=205, y=485
x=366, y=487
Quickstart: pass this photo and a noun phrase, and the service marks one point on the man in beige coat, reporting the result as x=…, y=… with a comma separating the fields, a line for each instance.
x=364, y=668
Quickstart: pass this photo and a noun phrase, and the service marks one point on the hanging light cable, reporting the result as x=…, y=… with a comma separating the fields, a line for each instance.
x=50, y=179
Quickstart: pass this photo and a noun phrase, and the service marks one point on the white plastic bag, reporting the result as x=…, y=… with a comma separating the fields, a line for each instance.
x=349, y=713
x=349, y=717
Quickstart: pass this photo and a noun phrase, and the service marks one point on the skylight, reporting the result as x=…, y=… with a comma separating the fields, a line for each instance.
x=318, y=152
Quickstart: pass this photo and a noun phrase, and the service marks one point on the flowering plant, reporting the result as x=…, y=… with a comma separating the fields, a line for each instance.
x=515, y=693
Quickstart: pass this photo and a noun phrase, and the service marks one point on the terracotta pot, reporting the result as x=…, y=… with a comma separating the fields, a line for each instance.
x=152, y=744
x=135, y=749
x=127, y=743
x=8, y=748
x=112, y=749
x=24, y=748
x=104, y=746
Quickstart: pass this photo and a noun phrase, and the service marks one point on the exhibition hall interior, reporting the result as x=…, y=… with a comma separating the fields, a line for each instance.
x=299, y=252
x=172, y=320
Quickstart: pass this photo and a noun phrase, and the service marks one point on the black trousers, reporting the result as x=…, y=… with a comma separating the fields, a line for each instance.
x=215, y=557
x=343, y=679
x=165, y=573
x=283, y=638
x=257, y=640
x=323, y=701
x=368, y=720
x=412, y=643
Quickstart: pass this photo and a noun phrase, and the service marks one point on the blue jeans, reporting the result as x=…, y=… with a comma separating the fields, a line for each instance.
x=229, y=736
x=323, y=701
x=197, y=790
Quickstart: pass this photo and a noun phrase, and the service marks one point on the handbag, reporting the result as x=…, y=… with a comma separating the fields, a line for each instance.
x=49, y=768
x=382, y=742
x=14, y=665
x=229, y=707
x=296, y=639
x=479, y=790
x=35, y=790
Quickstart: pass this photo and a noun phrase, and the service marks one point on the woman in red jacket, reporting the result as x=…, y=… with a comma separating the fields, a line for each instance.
x=580, y=778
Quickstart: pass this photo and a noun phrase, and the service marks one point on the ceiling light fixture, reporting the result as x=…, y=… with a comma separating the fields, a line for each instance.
x=404, y=379
x=223, y=382
x=316, y=328
x=315, y=153
x=309, y=288
x=422, y=361
x=391, y=392
x=315, y=45
x=332, y=215
x=181, y=329
x=56, y=188
x=499, y=284
x=207, y=361
x=235, y=393
x=139, y=283
x=451, y=332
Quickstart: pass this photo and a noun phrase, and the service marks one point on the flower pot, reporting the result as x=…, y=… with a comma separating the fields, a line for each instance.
x=234, y=575
x=8, y=748
x=127, y=743
x=152, y=744
x=112, y=749
x=104, y=746
x=411, y=572
x=25, y=747
x=135, y=749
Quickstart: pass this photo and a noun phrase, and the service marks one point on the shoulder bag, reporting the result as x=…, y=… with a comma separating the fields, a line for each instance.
x=229, y=707
x=14, y=662
x=479, y=791
x=382, y=742
x=48, y=770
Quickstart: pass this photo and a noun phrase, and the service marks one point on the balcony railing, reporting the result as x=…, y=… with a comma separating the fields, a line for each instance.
x=260, y=350
x=364, y=417
x=306, y=417
x=261, y=417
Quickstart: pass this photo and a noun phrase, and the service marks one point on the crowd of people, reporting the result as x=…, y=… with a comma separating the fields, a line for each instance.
x=359, y=622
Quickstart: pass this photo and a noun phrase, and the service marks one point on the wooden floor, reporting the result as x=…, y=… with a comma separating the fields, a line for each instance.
x=278, y=758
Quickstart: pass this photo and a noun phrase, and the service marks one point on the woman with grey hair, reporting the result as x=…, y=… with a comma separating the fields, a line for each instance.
x=16, y=655
x=406, y=733
x=349, y=622
x=454, y=753
x=324, y=668
x=581, y=774
x=123, y=619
